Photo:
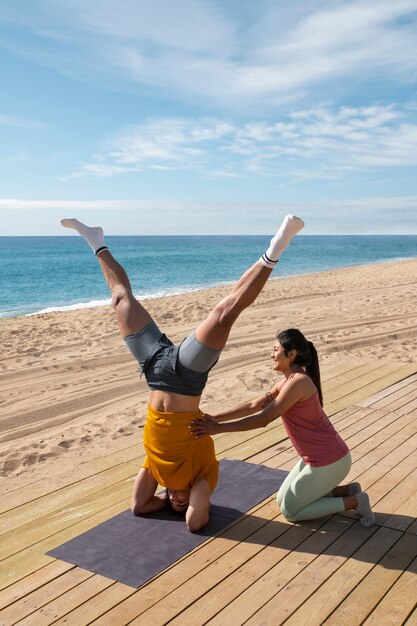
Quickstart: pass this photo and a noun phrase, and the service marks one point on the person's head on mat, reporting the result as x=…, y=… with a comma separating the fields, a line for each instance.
x=178, y=500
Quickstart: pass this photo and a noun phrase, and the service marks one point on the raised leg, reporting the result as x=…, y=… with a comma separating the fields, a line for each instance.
x=131, y=315
x=214, y=331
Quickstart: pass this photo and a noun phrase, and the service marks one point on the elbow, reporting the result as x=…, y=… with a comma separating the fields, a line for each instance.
x=136, y=510
x=267, y=420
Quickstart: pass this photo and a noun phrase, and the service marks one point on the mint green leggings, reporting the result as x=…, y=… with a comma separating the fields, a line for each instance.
x=306, y=493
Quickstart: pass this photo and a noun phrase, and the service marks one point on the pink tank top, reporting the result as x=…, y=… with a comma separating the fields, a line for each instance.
x=312, y=434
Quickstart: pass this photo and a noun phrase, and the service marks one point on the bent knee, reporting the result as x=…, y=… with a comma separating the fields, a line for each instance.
x=290, y=517
x=289, y=514
x=119, y=295
x=228, y=310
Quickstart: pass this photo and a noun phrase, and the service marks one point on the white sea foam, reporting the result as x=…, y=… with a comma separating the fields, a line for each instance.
x=175, y=291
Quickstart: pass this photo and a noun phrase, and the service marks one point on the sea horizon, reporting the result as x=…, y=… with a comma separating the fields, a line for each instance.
x=60, y=273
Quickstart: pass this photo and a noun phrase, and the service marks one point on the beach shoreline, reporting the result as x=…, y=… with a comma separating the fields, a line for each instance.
x=71, y=392
x=180, y=292
x=59, y=273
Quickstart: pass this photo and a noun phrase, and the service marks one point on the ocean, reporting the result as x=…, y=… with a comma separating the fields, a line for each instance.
x=41, y=274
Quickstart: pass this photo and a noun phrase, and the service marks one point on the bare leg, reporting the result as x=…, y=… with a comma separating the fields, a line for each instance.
x=214, y=331
x=131, y=315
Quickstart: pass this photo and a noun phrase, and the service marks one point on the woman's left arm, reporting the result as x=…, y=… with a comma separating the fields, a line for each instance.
x=291, y=393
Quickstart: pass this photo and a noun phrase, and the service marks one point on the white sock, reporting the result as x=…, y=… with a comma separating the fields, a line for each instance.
x=288, y=229
x=354, y=489
x=364, y=509
x=92, y=234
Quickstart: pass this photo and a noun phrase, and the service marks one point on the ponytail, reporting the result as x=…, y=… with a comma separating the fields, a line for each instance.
x=313, y=369
x=306, y=357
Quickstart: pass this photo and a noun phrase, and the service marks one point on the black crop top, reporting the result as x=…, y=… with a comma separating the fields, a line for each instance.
x=164, y=372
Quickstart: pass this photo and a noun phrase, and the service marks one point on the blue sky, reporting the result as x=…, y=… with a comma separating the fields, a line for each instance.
x=206, y=117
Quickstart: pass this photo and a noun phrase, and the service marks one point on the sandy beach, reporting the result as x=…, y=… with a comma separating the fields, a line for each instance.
x=70, y=391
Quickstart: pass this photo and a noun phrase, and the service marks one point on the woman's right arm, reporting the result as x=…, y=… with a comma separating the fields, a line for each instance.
x=246, y=408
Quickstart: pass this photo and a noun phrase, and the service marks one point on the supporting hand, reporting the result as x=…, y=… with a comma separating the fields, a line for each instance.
x=206, y=426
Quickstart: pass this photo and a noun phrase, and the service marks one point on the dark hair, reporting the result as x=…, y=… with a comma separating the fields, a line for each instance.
x=170, y=508
x=306, y=357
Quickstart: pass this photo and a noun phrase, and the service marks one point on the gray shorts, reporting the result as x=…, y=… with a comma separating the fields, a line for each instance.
x=180, y=369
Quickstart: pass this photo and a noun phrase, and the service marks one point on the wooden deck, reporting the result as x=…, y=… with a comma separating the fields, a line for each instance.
x=261, y=569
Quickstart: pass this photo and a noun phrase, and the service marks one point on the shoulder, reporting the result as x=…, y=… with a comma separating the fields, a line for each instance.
x=303, y=384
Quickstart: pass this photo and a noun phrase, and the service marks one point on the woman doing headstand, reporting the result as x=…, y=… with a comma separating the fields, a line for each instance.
x=176, y=376
x=311, y=489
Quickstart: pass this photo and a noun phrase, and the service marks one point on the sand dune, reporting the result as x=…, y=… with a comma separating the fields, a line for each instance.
x=70, y=390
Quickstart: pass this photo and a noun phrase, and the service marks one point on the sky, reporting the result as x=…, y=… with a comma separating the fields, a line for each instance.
x=208, y=117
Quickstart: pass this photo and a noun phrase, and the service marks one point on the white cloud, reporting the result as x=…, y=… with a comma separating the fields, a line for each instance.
x=230, y=58
x=373, y=215
x=18, y=122
x=323, y=143
x=374, y=205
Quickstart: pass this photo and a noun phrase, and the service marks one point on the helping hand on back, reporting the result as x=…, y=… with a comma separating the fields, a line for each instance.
x=206, y=426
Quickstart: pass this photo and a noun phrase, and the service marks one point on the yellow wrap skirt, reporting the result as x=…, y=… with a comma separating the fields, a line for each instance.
x=174, y=458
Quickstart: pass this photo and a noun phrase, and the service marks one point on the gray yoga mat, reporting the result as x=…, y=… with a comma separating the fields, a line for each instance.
x=133, y=549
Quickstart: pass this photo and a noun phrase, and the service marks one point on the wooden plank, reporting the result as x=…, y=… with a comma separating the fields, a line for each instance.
x=400, y=426
x=398, y=602
x=327, y=598
x=289, y=595
x=397, y=400
x=361, y=601
x=385, y=457
x=68, y=495
x=33, y=582
x=388, y=391
x=412, y=620
x=37, y=599
x=360, y=379
x=401, y=509
x=95, y=606
x=372, y=388
x=61, y=606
